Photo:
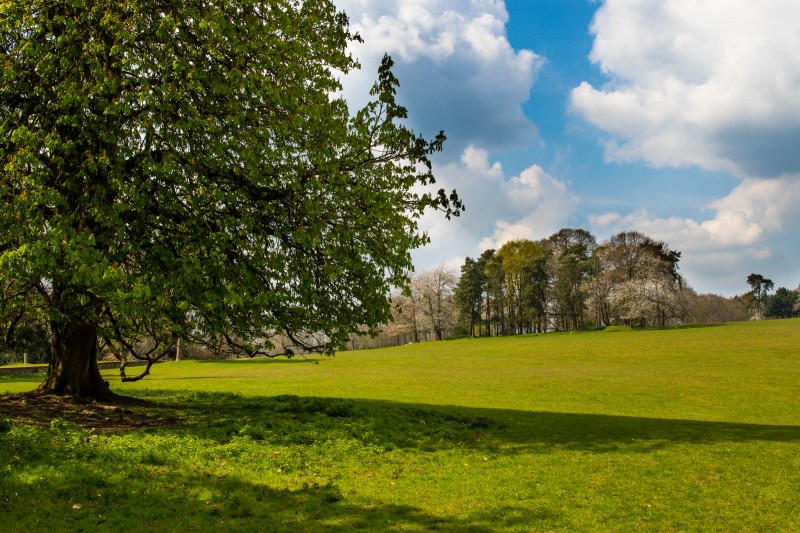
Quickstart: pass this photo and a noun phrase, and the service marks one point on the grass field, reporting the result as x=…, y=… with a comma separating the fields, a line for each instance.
x=677, y=429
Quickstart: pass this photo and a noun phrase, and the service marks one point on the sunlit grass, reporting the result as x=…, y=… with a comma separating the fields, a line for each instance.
x=679, y=429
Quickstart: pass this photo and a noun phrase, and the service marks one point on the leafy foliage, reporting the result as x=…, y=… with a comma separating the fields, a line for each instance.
x=783, y=304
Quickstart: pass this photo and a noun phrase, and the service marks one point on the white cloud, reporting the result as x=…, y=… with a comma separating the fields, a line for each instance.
x=743, y=235
x=713, y=83
x=505, y=232
x=457, y=70
x=476, y=160
x=603, y=220
x=532, y=205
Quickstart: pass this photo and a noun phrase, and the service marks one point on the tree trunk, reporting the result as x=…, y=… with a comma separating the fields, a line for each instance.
x=73, y=363
x=488, y=318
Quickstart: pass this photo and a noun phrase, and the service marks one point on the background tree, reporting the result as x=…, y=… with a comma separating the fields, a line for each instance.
x=469, y=292
x=435, y=289
x=495, y=294
x=406, y=315
x=760, y=287
x=630, y=278
x=427, y=306
x=782, y=304
x=797, y=304
x=26, y=342
x=599, y=286
x=645, y=279
x=536, y=282
x=23, y=338
x=714, y=309
x=487, y=260
x=515, y=258
x=626, y=253
x=651, y=296
x=183, y=170
x=571, y=253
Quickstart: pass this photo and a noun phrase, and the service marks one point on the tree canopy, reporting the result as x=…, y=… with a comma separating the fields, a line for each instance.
x=186, y=169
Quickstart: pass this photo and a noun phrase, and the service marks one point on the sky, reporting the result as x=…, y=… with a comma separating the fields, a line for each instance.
x=676, y=118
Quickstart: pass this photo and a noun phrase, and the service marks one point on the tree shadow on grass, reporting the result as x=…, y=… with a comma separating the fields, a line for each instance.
x=296, y=420
x=305, y=420
x=213, y=465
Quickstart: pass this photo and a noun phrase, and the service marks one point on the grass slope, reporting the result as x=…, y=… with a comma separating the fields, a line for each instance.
x=669, y=429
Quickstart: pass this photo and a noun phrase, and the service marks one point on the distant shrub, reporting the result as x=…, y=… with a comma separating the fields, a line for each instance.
x=616, y=329
x=5, y=424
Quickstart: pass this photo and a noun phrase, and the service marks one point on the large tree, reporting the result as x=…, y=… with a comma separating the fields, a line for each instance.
x=186, y=170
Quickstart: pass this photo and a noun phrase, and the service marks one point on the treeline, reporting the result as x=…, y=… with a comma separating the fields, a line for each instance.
x=569, y=282
x=565, y=282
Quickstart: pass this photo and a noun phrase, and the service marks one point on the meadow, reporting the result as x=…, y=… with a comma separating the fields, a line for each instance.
x=669, y=429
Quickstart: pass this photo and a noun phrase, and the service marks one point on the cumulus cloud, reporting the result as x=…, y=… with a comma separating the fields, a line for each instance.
x=457, y=70
x=714, y=84
x=531, y=205
x=536, y=205
x=476, y=160
x=745, y=229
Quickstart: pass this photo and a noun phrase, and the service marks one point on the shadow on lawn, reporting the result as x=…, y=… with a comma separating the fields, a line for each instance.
x=151, y=482
x=295, y=420
x=306, y=420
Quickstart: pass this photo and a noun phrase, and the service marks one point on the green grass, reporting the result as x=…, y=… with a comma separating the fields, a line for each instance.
x=675, y=429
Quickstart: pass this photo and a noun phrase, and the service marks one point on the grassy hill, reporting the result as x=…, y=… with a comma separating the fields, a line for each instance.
x=674, y=429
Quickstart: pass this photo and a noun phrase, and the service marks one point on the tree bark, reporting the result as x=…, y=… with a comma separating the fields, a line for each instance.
x=73, y=367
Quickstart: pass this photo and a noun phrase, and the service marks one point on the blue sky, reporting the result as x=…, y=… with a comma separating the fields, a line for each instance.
x=678, y=119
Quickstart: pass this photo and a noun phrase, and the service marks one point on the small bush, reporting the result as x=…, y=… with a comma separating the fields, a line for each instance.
x=5, y=424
